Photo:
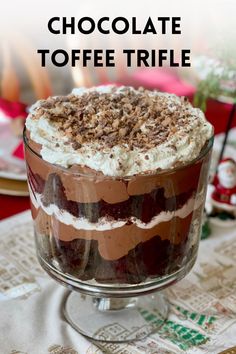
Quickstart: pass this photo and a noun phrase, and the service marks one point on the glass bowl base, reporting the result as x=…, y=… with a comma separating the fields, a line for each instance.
x=95, y=289
x=116, y=319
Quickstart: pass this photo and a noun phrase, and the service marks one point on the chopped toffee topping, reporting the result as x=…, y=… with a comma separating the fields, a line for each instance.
x=131, y=118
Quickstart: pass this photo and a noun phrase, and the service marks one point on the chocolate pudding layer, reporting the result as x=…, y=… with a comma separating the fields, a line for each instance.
x=117, y=180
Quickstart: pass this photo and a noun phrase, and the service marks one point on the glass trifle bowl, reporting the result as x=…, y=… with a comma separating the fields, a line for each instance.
x=117, y=181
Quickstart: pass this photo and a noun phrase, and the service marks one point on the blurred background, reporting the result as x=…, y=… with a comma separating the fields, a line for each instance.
x=207, y=27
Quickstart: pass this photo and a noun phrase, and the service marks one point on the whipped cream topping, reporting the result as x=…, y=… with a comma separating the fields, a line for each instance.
x=182, y=145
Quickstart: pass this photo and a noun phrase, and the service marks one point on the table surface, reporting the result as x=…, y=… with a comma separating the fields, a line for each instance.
x=203, y=305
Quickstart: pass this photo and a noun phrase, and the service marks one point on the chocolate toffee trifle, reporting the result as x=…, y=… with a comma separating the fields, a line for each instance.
x=117, y=181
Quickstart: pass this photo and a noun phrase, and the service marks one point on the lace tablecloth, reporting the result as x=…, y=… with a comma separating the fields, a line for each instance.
x=203, y=305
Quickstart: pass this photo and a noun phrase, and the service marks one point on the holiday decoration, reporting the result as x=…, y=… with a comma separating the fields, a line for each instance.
x=223, y=197
x=18, y=52
x=15, y=113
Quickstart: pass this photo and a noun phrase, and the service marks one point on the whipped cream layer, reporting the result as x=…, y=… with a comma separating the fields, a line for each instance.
x=115, y=238
x=106, y=223
x=182, y=141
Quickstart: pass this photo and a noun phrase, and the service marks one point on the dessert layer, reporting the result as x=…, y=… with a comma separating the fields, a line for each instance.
x=118, y=131
x=108, y=222
x=92, y=188
x=143, y=207
x=81, y=258
x=115, y=243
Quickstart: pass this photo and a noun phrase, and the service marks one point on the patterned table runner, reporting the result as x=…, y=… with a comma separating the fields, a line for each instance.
x=203, y=305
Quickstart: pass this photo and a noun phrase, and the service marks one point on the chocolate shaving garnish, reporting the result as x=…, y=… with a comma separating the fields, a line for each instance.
x=131, y=118
x=76, y=145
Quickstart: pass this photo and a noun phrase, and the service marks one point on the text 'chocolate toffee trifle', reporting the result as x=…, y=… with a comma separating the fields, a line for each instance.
x=117, y=179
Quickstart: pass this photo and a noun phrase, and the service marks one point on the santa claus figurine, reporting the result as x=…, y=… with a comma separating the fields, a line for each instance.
x=224, y=192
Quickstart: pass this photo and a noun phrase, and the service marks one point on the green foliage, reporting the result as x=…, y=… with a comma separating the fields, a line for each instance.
x=219, y=82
